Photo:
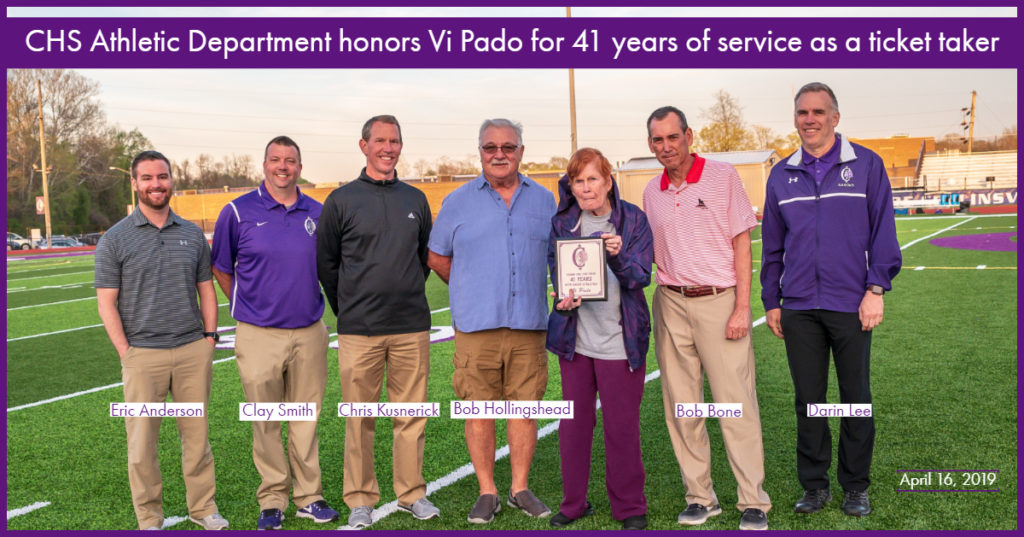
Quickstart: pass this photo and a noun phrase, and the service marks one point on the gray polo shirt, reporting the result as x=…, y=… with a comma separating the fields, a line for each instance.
x=155, y=271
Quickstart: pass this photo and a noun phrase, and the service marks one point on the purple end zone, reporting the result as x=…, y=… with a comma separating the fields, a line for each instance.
x=991, y=242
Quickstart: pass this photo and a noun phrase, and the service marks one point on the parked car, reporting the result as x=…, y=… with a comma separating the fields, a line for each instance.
x=17, y=242
x=60, y=241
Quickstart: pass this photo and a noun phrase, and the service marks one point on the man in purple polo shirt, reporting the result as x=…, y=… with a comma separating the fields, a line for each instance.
x=829, y=254
x=264, y=258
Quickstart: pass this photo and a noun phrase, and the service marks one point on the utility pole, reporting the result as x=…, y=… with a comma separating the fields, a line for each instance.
x=42, y=152
x=968, y=122
x=572, y=96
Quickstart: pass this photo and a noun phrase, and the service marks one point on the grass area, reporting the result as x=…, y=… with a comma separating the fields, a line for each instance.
x=944, y=379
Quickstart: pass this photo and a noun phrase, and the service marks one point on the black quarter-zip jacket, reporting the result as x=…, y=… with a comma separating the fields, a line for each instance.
x=372, y=256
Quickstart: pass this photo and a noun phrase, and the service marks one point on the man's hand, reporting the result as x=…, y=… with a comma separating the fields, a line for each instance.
x=773, y=318
x=870, y=311
x=122, y=350
x=739, y=323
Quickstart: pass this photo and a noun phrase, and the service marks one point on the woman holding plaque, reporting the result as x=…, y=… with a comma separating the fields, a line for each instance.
x=601, y=343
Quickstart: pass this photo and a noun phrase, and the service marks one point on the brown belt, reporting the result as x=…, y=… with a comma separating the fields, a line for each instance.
x=694, y=291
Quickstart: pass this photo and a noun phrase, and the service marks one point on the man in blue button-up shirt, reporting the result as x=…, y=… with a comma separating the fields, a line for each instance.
x=490, y=244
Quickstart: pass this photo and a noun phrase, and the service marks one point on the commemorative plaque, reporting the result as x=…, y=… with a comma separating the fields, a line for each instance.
x=580, y=266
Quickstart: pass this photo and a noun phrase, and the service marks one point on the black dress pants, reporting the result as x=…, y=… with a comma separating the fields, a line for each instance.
x=809, y=336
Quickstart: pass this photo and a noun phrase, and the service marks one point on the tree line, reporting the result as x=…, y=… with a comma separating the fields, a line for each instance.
x=87, y=158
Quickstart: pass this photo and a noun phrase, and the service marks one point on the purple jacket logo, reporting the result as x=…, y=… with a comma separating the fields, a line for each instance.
x=846, y=174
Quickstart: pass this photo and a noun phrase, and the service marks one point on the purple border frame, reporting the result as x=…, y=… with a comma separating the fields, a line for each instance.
x=1015, y=62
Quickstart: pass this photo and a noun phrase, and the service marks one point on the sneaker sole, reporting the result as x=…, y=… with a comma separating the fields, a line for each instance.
x=545, y=514
x=201, y=525
x=300, y=514
x=408, y=510
x=359, y=525
x=472, y=520
x=711, y=512
x=806, y=511
x=755, y=528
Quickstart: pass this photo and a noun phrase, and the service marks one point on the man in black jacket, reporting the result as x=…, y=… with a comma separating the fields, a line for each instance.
x=372, y=263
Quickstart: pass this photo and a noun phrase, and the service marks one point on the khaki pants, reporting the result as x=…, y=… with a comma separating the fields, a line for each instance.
x=689, y=336
x=148, y=374
x=362, y=363
x=284, y=365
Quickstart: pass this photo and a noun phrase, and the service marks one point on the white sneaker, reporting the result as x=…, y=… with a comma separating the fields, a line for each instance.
x=211, y=522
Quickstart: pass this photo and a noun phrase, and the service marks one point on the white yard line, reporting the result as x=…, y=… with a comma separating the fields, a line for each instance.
x=11, y=513
x=943, y=230
x=50, y=276
x=51, y=303
x=68, y=329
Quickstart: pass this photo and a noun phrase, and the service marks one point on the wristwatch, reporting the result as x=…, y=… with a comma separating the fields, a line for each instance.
x=214, y=335
x=876, y=289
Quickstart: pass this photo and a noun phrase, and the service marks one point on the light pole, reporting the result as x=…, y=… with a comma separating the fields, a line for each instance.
x=130, y=189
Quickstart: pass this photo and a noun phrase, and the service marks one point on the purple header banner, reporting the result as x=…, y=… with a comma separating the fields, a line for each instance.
x=511, y=43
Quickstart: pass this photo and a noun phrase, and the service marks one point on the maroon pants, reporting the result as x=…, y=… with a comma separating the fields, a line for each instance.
x=621, y=392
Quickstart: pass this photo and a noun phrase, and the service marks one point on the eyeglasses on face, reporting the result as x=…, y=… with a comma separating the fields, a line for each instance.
x=491, y=149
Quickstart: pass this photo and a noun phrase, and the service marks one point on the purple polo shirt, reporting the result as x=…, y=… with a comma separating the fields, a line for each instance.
x=819, y=166
x=270, y=251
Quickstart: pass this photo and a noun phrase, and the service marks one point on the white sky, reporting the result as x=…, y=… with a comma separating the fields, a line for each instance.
x=220, y=112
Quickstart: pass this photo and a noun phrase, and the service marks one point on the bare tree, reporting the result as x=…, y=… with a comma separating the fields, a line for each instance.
x=725, y=129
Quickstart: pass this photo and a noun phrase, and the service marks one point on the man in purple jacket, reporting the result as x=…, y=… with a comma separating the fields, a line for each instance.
x=829, y=254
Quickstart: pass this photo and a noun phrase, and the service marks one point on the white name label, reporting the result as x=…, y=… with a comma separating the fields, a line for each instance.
x=277, y=412
x=837, y=410
x=528, y=410
x=157, y=410
x=389, y=410
x=709, y=410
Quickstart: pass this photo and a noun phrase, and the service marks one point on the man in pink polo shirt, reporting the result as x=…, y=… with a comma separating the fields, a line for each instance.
x=701, y=219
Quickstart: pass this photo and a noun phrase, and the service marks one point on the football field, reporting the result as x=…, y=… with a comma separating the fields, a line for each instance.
x=944, y=383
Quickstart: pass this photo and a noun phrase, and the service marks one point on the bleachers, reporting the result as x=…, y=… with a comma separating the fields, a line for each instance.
x=961, y=171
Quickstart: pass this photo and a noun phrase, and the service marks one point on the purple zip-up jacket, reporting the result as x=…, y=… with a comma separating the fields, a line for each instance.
x=632, y=267
x=824, y=245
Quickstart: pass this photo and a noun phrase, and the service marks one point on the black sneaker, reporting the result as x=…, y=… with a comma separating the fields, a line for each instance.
x=813, y=501
x=561, y=520
x=856, y=503
x=753, y=519
x=696, y=514
x=637, y=522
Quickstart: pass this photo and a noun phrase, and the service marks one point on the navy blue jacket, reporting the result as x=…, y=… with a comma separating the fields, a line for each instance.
x=822, y=246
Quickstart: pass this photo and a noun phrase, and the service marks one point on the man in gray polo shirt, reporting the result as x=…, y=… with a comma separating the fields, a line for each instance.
x=149, y=267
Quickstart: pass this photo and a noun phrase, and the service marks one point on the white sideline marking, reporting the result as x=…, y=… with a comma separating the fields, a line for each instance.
x=68, y=329
x=919, y=268
x=943, y=230
x=11, y=513
x=915, y=218
x=51, y=303
x=981, y=267
x=50, y=276
x=52, y=333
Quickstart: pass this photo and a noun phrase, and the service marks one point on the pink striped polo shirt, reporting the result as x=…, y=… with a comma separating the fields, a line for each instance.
x=694, y=224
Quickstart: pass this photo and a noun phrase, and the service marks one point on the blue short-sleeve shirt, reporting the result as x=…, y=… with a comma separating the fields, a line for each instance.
x=499, y=255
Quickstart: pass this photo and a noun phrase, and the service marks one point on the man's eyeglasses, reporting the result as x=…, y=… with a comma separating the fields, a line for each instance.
x=491, y=149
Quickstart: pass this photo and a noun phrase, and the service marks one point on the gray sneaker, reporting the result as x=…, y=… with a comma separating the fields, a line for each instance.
x=421, y=509
x=211, y=522
x=696, y=514
x=360, y=517
x=486, y=506
x=528, y=503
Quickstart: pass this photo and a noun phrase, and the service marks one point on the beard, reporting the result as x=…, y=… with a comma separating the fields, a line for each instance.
x=146, y=199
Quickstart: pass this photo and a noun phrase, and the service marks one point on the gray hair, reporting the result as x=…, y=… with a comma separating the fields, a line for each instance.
x=815, y=87
x=501, y=123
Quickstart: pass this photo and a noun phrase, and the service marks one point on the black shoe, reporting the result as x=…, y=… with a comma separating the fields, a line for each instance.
x=561, y=520
x=637, y=522
x=813, y=501
x=856, y=503
x=753, y=519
